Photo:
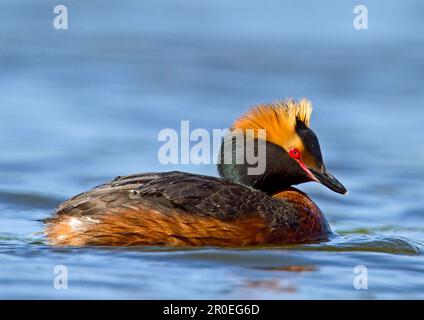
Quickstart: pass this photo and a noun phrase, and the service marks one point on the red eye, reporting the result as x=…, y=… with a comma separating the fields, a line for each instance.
x=294, y=153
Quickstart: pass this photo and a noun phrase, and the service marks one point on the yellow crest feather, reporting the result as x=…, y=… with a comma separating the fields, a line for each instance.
x=278, y=119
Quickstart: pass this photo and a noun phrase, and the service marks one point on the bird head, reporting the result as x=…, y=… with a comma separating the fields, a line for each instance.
x=292, y=151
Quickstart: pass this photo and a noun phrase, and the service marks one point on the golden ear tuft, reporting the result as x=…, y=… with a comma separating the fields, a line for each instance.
x=278, y=119
x=285, y=112
x=302, y=110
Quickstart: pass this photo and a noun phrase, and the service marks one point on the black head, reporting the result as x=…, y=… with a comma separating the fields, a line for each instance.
x=290, y=152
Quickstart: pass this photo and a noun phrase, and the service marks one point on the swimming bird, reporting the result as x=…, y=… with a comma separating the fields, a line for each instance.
x=235, y=209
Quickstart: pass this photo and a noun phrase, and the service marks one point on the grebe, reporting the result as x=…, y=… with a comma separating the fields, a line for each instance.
x=237, y=209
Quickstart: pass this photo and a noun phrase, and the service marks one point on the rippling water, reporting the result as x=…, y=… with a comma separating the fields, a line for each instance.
x=81, y=106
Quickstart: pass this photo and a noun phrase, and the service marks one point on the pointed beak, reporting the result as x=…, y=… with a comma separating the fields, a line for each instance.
x=327, y=179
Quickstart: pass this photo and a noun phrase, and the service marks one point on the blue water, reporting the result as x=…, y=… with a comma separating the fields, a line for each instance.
x=80, y=106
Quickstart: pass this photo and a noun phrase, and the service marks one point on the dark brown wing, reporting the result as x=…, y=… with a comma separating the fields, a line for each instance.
x=195, y=194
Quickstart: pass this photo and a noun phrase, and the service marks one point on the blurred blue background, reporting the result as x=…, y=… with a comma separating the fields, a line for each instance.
x=80, y=106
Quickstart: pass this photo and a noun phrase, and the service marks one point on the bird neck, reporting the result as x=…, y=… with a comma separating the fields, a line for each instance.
x=280, y=170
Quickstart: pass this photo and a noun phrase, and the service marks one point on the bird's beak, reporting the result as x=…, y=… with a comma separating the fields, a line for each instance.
x=327, y=179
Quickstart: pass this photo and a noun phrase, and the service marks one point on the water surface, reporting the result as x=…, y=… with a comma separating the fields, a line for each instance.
x=80, y=106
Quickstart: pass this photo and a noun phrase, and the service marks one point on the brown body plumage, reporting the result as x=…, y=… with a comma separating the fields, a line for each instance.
x=183, y=209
